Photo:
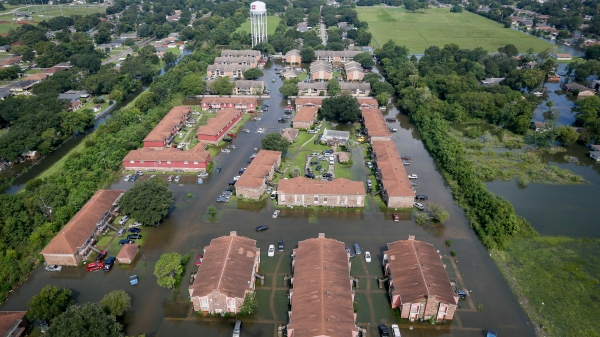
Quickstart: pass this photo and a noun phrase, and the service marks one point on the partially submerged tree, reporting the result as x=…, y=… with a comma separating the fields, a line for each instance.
x=252, y=74
x=147, y=202
x=249, y=305
x=167, y=270
x=49, y=303
x=116, y=302
x=86, y=320
x=343, y=108
x=275, y=142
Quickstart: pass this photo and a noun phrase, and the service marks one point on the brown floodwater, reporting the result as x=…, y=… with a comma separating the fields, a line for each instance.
x=163, y=312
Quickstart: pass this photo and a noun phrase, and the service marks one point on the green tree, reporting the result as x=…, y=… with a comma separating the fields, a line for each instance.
x=249, y=304
x=192, y=85
x=333, y=87
x=365, y=59
x=148, y=201
x=509, y=50
x=456, y=9
x=221, y=86
x=567, y=135
x=145, y=101
x=307, y=54
x=116, y=302
x=117, y=95
x=438, y=212
x=168, y=268
x=169, y=58
x=86, y=320
x=383, y=98
x=275, y=142
x=295, y=172
x=49, y=303
x=588, y=109
x=343, y=108
x=77, y=121
x=289, y=88
x=252, y=74
x=211, y=210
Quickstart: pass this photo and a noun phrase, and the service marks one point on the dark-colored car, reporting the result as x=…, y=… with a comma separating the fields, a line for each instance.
x=405, y=158
x=262, y=228
x=101, y=255
x=350, y=252
x=231, y=189
x=462, y=294
x=280, y=246
x=310, y=175
x=383, y=330
x=134, y=230
x=313, y=163
x=395, y=217
x=421, y=197
x=232, y=183
x=316, y=142
x=134, y=236
x=318, y=167
x=227, y=140
x=125, y=241
x=109, y=263
x=218, y=169
x=242, y=170
x=327, y=175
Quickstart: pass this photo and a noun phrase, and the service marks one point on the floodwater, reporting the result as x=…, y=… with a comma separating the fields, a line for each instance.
x=162, y=312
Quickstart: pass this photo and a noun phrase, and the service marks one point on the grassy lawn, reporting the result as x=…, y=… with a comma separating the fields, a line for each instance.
x=302, y=76
x=175, y=51
x=558, y=282
x=42, y=12
x=438, y=27
x=5, y=27
x=272, y=22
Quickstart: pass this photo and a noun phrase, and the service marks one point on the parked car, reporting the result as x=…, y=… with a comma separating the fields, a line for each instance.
x=133, y=178
x=170, y=178
x=271, y=252
x=327, y=175
x=273, y=195
x=462, y=294
x=310, y=175
x=405, y=163
x=391, y=120
x=383, y=330
x=412, y=176
x=199, y=260
x=280, y=246
x=318, y=167
x=134, y=230
x=421, y=197
x=261, y=130
x=369, y=165
x=357, y=249
x=44, y=326
x=225, y=150
x=218, y=169
x=405, y=158
x=367, y=256
x=177, y=178
x=53, y=267
x=121, y=231
x=246, y=131
x=109, y=263
x=133, y=280
x=127, y=177
x=125, y=241
x=242, y=170
x=95, y=266
x=276, y=214
x=200, y=181
x=395, y=217
x=124, y=219
x=393, y=130
x=237, y=329
x=395, y=330
x=419, y=206
x=101, y=256
x=491, y=333
x=134, y=236
x=350, y=252
x=369, y=183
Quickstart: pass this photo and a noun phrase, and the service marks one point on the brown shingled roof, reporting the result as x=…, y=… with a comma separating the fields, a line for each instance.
x=302, y=185
x=261, y=165
x=228, y=100
x=306, y=115
x=227, y=266
x=375, y=123
x=418, y=272
x=322, y=295
x=128, y=251
x=83, y=224
x=217, y=124
x=8, y=320
x=163, y=129
x=197, y=153
x=307, y=100
x=395, y=179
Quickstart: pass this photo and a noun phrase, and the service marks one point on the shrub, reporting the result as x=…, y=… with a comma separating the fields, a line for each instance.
x=453, y=253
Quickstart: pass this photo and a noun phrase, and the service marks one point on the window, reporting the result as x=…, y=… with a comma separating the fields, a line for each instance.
x=325, y=199
x=204, y=303
x=185, y=162
x=316, y=198
x=132, y=161
x=195, y=163
x=159, y=162
x=141, y=161
x=168, y=162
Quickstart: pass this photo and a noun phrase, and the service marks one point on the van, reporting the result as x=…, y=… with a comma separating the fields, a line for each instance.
x=237, y=329
x=312, y=132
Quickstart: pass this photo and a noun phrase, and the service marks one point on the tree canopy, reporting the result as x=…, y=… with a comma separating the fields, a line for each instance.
x=148, y=201
x=289, y=87
x=275, y=142
x=49, y=303
x=343, y=108
x=116, y=302
x=168, y=269
x=365, y=59
x=333, y=87
x=253, y=73
x=221, y=86
x=86, y=320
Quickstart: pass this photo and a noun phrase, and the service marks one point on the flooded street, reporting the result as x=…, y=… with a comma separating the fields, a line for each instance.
x=161, y=312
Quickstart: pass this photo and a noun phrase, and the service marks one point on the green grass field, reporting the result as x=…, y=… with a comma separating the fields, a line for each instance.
x=41, y=12
x=272, y=22
x=438, y=27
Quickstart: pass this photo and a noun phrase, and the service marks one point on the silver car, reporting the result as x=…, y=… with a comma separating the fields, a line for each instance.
x=357, y=249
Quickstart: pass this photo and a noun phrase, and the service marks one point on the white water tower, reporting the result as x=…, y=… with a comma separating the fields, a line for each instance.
x=258, y=22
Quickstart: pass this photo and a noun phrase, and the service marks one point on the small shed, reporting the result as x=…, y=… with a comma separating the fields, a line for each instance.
x=289, y=134
x=343, y=157
x=339, y=136
x=128, y=253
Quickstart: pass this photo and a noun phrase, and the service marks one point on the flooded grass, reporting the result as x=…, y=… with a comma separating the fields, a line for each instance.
x=281, y=305
x=558, y=282
x=501, y=155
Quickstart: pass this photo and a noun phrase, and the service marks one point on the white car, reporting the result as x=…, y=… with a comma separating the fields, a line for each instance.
x=271, y=251
x=367, y=256
x=246, y=131
x=126, y=178
x=236, y=178
x=276, y=214
x=177, y=179
x=412, y=176
x=261, y=130
x=203, y=175
x=53, y=267
x=225, y=150
x=273, y=195
x=395, y=330
x=419, y=205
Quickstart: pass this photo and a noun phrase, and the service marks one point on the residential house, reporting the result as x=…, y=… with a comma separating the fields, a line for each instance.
x=564, y=57
x=248, y=87
x=339, y=192
x=240, y=103
x=4, y=49
x=302, y=27
x=492, y=81
x=354, y=71
x=396, y=190
x=76, y=105
x=228, y=70
x=289, y=134
x=339, y=136
x=241, y=53
x=128, y=253
x=321, y=70
x=290, y=73
x=76, y=239
x=355, y=89
x=582, y=91
x=13, y=323
x=59, y=67
x=227, y=274
x=293, y=57
x=217, y=127
x=252, y=183
x=418, y=284
x=554, y=78
x=322, y=297
x=22, y=87
x=168, y=159
x=30, y=155
x=128, y=36
x=595, y=155
x=368, y=103
x=344, y=26
x=305, y=118
x=36, y=77
x=336, y=56
x=375, y=124
x=74, y=95
x=11, y=61
x=242, y=60
x=538, y=126
x=312, y=89
x=97, y=108
x=164, y=132
x=308, y=102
